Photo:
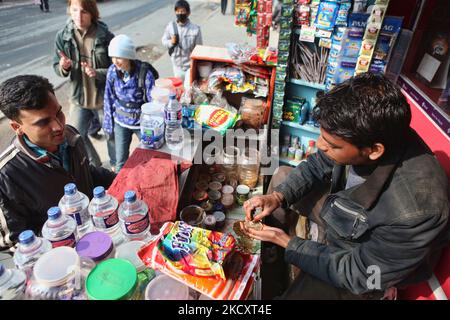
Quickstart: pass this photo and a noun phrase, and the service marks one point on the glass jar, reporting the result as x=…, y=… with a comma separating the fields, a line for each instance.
x=229, y=161
x=59, y=275
x=249, y=168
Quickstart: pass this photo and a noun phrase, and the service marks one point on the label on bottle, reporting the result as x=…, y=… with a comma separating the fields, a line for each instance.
x=172, y=116
x=66, y=242
x=78, y=215
x=135, y=224
x=152, y=137
x=105, y=220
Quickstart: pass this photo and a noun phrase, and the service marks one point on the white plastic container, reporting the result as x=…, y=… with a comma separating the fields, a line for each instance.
x=59, y=275
x=160, y=95
x=164, y=287
x=152, y=125
x=204, y=69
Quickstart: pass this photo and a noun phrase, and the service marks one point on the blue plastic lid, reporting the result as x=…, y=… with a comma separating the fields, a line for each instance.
x=2, y=269
x=70, y=189
x=26, y=237
x=54, y=213
x=99, y=192
x=130, y=196
x=173, y=95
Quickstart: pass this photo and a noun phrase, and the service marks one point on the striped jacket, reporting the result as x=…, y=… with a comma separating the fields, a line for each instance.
x=30, y=185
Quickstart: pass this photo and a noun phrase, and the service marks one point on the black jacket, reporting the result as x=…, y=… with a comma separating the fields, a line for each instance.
x=396, y=222
x=29, y=186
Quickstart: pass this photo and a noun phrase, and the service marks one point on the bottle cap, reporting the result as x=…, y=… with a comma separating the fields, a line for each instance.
x=26, y=237
x=95, y=245
x=70, y=189
x=173, y=96
x=54, y=213
x=99, y=192
x=112, y=279
x=312, y=143
x=130, y=196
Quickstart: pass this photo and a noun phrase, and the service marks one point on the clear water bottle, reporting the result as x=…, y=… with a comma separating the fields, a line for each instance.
x=12, y=283
x=75, y=204
x=29, y=250
x=152, y=125
x=172, y=111
x=105, y=217
x=134, y=217
x=174, y=136
x=59, y=229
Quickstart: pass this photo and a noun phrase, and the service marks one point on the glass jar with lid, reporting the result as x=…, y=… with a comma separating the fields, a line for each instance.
x=59, y=274
x=249, y=167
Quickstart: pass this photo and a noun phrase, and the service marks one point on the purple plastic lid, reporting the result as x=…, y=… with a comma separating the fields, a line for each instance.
x=95, y=245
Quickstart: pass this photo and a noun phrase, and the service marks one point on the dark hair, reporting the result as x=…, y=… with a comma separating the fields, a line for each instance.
x=90, y=6
x=183, y=4
x=365, y=110
x=24, y=92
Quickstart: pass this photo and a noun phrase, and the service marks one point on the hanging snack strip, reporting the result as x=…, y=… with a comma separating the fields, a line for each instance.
x=264, y=23
x=284, y=45
x=373, y=28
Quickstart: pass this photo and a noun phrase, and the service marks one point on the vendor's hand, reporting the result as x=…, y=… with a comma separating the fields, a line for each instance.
x=174, y=40
x=91, y=73
x=267, y=203
x=64, y=61
x=267, y=233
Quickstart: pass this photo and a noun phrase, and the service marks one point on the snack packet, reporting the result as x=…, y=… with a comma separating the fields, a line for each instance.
x=216, y=118
x=196, y=251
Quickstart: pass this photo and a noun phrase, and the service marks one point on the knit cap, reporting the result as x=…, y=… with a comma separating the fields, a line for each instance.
x=122, y=46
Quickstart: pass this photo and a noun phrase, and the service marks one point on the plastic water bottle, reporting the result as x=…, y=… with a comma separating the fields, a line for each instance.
x=59, y=229
x=152, y=125
x=29, y=250
x=75, y=204
x=12, y=283
x=134, y=218
x=105, y=217
x=174, y=136
x=172, y=111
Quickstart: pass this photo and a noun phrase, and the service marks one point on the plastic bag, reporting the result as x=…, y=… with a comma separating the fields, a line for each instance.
x=215, y=118
x=220, y=101
x=240, y=53
x=198, y=96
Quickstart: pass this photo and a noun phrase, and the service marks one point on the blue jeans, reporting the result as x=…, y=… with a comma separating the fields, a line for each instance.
x=122, y=137
x=81, y=119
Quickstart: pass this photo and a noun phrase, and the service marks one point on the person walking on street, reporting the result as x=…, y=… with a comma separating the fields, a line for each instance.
x=44, y=6
x=81, y=53
x=128, y=86
x=180, y=38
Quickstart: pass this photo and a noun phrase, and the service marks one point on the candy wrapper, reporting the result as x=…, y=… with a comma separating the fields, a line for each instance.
x=238, y=267
x=196, y=251
x=216, y=118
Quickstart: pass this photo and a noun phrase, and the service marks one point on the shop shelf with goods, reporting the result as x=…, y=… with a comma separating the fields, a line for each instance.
x=205, y=58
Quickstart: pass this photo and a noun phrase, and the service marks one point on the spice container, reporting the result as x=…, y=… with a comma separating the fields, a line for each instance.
x=214, y=195
x=215, y=185
x=209, y=222
x=220, y=219
x=242, y=194
x=227, y=189
x=227, y=200
x=193, y=215
x=230, y=156
x=201, y=185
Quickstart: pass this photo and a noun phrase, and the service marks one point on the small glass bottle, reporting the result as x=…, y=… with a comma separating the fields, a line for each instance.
x=311, y=148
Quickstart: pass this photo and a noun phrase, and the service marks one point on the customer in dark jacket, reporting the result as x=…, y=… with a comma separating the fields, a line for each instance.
x=81, y=53
x=386, y=216
x=45, y=155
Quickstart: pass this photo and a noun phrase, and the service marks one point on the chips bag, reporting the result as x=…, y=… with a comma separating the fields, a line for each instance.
x=216, y=118
x=196, y=251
